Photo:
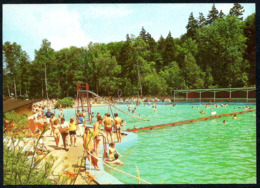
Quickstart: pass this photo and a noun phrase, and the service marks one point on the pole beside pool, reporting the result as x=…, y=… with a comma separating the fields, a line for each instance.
x=247, y=95
x=214, y=96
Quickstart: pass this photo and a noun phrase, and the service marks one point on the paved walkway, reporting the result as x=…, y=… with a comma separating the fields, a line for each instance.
x=69, y=159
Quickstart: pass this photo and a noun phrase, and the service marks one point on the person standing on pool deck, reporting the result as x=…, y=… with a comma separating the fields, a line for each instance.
x=56, y=132
x=80, y=122
x=103, y=122
x=78, y=112
x=64, y=125
x=48, y=117
x=118, y=124
x=87, y=142
x=97, y=115
x=97, y=129
x=53, y=118
x=44, y=110
x=72, y=132
x=84, y=114
x=108, y=127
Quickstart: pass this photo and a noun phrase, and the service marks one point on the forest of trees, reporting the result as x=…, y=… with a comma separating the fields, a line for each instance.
x=216, y=51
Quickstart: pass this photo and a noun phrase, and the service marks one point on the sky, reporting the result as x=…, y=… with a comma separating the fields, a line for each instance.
x=66, y=25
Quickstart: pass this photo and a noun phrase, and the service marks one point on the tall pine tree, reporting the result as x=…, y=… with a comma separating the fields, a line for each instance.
x=192, y=26
x=168, y=52
x=221, y=14
x=237, y=10
x=213, y=15
x=142, y=34
x=202, y=20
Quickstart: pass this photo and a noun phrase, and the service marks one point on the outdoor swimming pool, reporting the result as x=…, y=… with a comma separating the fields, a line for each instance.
x=202, y=152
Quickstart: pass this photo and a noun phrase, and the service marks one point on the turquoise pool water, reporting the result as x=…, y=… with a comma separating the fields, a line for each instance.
x=204, y=152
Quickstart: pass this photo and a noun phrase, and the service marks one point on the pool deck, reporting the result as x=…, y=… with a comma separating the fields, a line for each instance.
x=101, y=176
x=188, y=121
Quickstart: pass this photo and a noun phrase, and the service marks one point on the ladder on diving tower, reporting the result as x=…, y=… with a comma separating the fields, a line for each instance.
x=83, y=101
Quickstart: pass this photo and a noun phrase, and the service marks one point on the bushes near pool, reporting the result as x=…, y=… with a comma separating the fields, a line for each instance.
x=65, y=102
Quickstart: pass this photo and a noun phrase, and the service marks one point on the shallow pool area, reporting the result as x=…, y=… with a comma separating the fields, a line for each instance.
x=203, y=152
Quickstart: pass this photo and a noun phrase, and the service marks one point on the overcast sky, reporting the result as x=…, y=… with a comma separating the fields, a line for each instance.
x=78, y=24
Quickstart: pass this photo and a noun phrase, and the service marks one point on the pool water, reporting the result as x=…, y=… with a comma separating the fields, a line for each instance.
x=203, y=152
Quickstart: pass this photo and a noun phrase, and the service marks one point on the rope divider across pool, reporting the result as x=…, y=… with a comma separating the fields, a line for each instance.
x=119, y=170
x=188, y=121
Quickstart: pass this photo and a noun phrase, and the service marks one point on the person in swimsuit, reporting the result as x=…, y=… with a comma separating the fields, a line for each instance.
x=56, y=132
x=64, y=135
x=118, y=124
x=83, y=114
x=94, y=160
x=48, y=117
x=105, y=116
x=116, y=161
x=72, y=132
x=108, y=127
x=81, y=123
x=52, y=119
x=112, y=151
x=97, y=129
x=98, y=114
x=78, y=112
x=87, y=142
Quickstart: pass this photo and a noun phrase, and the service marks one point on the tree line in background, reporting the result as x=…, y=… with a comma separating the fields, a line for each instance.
x=216, y=51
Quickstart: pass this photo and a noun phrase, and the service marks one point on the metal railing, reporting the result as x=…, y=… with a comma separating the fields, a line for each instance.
x=243, y=100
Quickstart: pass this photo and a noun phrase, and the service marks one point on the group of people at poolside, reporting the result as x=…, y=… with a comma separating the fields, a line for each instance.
x=91, y=140
x=92, y=148
x=58, y=126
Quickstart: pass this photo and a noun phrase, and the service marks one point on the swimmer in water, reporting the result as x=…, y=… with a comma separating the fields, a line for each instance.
x=202, y=112
x=116, y=161
x=112, y=151
x=224, y=122
x=155, y=110
x=235, y=116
